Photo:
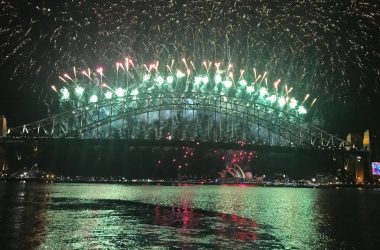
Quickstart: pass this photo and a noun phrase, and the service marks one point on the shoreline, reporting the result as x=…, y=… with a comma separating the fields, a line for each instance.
x=194, y=183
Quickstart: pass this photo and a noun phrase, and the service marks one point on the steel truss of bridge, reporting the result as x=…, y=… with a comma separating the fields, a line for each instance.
x=182, y=116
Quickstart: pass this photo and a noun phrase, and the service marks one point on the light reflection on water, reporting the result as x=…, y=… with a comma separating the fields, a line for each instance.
x=98, y=216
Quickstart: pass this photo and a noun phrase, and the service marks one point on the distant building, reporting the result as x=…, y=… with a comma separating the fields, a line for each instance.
x=366, y=140
x=4, y=128
x=3, y=161
x=356, y=139
x=374, y=144
x=371, y=143
x=325, y=178
x=375, y=154
x=236, y=172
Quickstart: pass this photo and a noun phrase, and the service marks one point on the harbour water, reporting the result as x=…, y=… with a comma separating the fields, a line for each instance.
x=116, y=216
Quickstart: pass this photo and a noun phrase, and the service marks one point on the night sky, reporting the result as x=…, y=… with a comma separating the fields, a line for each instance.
x=328, y=49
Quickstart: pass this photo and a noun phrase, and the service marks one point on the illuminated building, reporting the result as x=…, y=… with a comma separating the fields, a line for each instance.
x=364, y=167
x=4, y=128
x=374, y=142
x=356, y=139
x=3, y=132
x=366, y=141
x=374, y=152
x=359, y=166
x=236, y=172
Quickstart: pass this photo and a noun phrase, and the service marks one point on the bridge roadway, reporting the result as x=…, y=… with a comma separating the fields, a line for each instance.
x=35, y=143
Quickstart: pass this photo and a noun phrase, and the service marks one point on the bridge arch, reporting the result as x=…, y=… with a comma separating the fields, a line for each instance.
x=181, y=116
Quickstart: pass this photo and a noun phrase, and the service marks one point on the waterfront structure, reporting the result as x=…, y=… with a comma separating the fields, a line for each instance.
x=366, y=140
x=374, y=153
x=235, y=171
x=369, y=141
x=356, y=139
x=3, y=127
x=374, y=143
x=3, y=132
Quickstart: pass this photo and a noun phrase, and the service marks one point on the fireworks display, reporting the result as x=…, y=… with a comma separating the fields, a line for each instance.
x=91, y=86
x=327, y=49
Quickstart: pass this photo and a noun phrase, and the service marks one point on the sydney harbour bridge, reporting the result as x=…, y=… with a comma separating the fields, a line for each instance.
x=153, y=109
x=182, y=117
x=187, y=117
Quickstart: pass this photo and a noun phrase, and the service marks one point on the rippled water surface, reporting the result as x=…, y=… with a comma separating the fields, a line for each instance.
x=108, y=216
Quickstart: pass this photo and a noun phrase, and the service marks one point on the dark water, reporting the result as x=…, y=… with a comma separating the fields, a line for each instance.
x=107, y=216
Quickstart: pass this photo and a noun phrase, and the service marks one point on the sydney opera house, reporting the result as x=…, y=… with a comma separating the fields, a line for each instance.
x=235, y=172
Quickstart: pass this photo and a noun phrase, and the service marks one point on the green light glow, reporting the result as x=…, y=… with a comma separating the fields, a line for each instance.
x=218, y=79
x=205, y=79
x=197, y=80
x=222, y=82
x=108, y=95
x=93, y=99
x=272, y=98
x=180, y=74
x=65, y=93
x=135, y=92
x=243, y=82
x=302, y=110
x=160, y=80
x=120, y=92
x=227, y=83
x=263, y=91
x=293, y=103
x=79, y=90
x=281, y=101
x=250, y=89
x=170, y=79
x=146, y=78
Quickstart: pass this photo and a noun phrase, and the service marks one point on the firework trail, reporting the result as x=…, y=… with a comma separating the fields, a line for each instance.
x=327, y=48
